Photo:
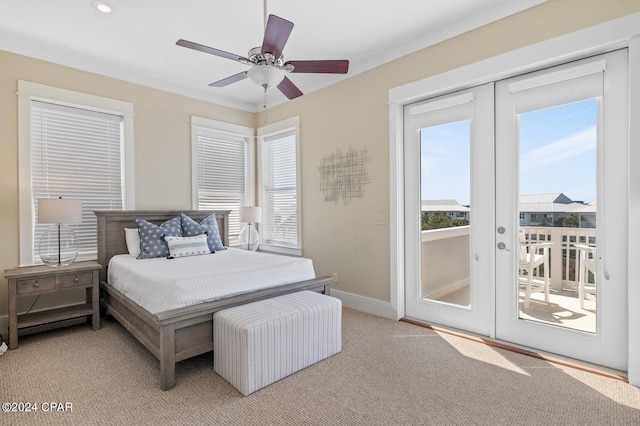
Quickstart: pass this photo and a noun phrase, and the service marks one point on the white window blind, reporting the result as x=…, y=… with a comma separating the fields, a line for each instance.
x=222, y=180
x=76, y=153
x=279, y=196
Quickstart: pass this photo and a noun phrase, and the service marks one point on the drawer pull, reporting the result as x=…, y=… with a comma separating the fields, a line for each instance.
x=36, y=284
x=76, y=279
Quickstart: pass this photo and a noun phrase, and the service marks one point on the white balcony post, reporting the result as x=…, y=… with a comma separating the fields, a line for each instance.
x=556, y=259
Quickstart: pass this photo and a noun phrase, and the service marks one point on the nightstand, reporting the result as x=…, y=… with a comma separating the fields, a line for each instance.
x=36, y=280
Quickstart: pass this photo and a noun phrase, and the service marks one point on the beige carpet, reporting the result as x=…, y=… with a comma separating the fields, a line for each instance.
x=388, y=373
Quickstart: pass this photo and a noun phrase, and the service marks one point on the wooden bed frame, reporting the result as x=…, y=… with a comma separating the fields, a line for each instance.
x=182, y=333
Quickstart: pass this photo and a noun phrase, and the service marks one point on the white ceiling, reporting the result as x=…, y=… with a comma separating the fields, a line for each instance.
x=137, y=41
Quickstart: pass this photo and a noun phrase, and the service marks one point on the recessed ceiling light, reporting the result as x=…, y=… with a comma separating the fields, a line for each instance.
x=102, y=6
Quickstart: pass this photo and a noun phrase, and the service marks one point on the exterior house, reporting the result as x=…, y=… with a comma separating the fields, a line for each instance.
x=535, y=210
x=451, y=208
x=586, y=215
x=552, y=209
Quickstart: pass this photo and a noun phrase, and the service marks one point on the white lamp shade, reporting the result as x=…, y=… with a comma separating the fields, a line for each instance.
x=250, y=214
x=265, y=75
x=59, y=210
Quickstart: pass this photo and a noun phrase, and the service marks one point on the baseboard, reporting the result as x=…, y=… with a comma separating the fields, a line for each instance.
x=365, y=304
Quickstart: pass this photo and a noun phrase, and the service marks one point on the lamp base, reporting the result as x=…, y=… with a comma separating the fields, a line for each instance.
x=249, y=238
x=58, y=246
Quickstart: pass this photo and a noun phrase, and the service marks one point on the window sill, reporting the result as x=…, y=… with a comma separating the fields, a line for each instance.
x=291, y=251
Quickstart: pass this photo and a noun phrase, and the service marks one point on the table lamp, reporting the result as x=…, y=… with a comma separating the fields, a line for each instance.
x=250, y=215
x=59, y=243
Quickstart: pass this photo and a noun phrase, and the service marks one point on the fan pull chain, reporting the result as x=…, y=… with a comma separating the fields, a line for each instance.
x=264, y=106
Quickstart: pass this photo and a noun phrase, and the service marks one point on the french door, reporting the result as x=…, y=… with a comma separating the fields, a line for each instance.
x=449, y=213
x=515, y=209
x=561, y=134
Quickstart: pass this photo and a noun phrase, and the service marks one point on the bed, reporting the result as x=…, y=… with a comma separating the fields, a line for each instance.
x=180, y=333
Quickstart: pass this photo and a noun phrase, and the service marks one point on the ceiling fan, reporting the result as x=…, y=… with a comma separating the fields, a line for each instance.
x=268, y=67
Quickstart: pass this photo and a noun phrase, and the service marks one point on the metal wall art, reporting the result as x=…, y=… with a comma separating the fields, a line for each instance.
x=343, y=175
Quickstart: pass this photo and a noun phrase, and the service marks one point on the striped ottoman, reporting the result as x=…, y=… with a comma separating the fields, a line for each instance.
x=262, y=342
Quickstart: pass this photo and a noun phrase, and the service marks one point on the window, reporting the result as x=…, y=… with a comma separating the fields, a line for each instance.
x=72, y=145
x=222, y=168
x=279, y=190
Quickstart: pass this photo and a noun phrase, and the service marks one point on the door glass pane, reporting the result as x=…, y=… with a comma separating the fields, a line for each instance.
x=557, y=215
x=445, y=169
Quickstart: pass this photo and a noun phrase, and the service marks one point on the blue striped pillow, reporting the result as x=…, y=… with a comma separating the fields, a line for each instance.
x=187, y=246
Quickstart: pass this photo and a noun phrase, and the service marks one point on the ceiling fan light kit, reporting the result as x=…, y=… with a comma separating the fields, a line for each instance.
x=101, y=6
x=268, y=68
x=266, y=75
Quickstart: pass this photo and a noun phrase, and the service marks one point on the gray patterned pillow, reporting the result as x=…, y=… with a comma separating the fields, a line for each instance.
x=152, y=243
x=208, y=225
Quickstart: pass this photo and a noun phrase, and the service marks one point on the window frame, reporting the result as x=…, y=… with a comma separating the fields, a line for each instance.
x=27, y=92
x=285, y=126
x=234, y=130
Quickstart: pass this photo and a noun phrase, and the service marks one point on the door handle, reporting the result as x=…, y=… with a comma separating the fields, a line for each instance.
x=502, y=246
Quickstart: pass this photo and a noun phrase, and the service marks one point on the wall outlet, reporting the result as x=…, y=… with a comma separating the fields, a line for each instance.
x=335, y=277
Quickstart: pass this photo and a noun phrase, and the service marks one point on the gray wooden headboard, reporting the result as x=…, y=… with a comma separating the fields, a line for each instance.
x=111, y=224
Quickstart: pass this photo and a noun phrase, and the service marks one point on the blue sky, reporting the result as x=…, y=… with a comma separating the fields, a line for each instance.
x=557, y=154
x=445, y=162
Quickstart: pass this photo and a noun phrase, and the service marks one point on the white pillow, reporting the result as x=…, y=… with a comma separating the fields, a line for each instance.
x=187, y=246
x=132, y=237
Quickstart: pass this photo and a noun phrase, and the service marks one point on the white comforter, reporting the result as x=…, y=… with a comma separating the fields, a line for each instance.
x=163, y=284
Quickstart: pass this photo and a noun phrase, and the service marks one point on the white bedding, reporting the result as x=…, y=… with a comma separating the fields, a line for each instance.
x=163, y=284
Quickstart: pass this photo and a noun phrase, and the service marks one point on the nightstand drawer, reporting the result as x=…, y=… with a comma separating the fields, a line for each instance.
x=83, y=279
x=35, y=285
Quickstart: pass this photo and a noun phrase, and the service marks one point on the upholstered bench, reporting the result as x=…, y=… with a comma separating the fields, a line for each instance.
x=262, y=342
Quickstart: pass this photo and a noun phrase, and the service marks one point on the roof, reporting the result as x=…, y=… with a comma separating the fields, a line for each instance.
x=552, y=203
x=586, y=208
x=443, y=206
x=550, y=207
x=554, y=198
x=534, y=203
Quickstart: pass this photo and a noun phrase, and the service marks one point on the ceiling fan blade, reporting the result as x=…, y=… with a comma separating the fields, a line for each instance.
x=230, y=80
x=209, y=50
x=289, y=89
x=276, y=35
x=328, y=67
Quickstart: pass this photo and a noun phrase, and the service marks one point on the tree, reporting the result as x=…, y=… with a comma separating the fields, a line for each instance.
x=439, y=220
x=460, y=222
x=570, y=221
x=425, y=221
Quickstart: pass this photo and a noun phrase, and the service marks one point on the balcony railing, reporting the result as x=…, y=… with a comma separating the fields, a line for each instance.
x=445, y=256
x=563, y=253
x=445, y=260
